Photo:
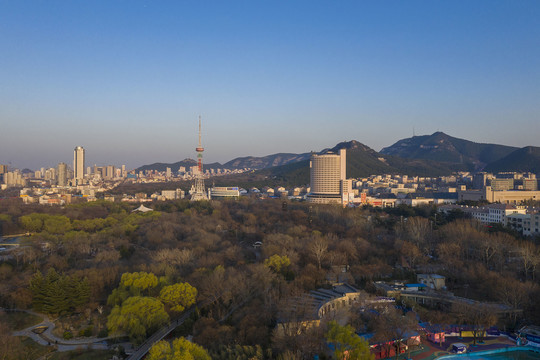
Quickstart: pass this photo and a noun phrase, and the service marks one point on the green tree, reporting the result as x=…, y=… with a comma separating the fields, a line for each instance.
x=181, y=349
x=347, y=344
x=57, y=224
x=278, y=263
x=179, y=296
x=138, y=282
x=58, y=294
x=136, y=317
x=118, y=296
x=32, y=222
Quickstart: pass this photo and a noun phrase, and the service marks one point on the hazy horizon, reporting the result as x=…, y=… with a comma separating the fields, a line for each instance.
x=128, y=80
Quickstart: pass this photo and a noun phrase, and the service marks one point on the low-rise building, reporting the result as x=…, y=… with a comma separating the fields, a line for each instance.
x=217, y=192
x=489, y=214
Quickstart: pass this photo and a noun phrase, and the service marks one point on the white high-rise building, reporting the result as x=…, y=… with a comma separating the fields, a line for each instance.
x=328, y=177
x=78, y=165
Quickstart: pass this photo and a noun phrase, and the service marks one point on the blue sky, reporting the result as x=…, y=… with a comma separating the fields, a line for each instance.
x=127, y=79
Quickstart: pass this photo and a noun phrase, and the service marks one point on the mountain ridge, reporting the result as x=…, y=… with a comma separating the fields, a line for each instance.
x=526, y=159
x=444, y=148
x=426, y=155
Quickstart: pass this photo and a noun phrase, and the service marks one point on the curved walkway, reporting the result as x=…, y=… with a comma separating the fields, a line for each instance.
x=47, y=338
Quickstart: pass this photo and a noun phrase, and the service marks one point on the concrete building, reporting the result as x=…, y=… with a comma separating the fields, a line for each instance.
x=433, y=281
x=169, y=194
x=109, y=172
x=530, y=184
x=503, y=196
x=218, y=192
x=62, y=174
x=78, y=165
x=526, y=224
x=502, y=184
x=328, y=178
x=14, y=178
x=480, y=180
x=489, y=214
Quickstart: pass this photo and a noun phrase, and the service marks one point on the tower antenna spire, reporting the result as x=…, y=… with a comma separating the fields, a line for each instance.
x=197, y=190
x=200, y=131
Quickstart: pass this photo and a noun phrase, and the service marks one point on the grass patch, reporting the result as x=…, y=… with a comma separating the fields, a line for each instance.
x=17, y=320
x=83, y=355
x=31, y=349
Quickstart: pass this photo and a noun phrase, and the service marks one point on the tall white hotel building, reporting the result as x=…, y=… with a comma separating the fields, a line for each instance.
x=328, y=178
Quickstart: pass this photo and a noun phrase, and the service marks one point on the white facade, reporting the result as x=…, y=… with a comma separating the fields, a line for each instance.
x=494, y=213
x=527, y=224
x=224, y=192
x=78, y=165
x=328, y=178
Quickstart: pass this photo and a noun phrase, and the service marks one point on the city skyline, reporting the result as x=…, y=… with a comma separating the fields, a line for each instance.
x=118, y=79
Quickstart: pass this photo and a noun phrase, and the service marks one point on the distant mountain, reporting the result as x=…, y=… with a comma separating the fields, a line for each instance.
x=526, y=159
x=175, y=166
x=253, y=162
x=429, y=155
x=444, y=148
x=362, y=161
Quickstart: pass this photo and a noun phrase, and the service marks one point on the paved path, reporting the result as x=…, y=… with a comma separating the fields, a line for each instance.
x=47, y=338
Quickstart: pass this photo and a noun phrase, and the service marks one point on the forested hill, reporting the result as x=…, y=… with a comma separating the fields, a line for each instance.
x=526, y=159
x=254, y=162
x=445, y=148
x=429, y=155
x=362, y=161
x=251, y=162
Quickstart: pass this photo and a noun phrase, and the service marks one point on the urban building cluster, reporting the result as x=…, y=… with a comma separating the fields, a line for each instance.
x=524, y=219
x=183, y=173
x=62, y=176
x=503, y=193
x=329, y=185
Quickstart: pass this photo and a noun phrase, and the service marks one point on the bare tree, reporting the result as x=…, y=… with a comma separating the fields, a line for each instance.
x=392, y=327
x=530, y=257
x=477, y=315
x=417, y=229
x=319, y=247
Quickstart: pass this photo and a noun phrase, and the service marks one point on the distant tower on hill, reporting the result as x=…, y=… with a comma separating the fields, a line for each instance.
x=198, y=191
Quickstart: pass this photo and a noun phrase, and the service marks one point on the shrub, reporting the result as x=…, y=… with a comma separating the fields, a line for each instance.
x=86, y=332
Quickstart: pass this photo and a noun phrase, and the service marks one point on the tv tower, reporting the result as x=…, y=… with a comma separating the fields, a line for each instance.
x=199, y=149
x=197, y=189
